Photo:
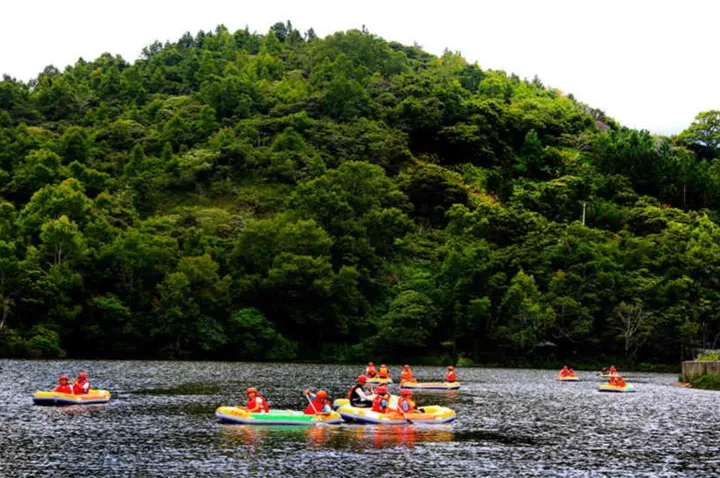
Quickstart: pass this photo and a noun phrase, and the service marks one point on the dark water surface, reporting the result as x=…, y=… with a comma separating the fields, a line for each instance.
x=510, y=423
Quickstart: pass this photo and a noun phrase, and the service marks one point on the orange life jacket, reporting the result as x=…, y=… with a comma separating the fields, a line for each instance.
x=410, y=405
x=63, y=389
x=407, y=375
x=383, y=373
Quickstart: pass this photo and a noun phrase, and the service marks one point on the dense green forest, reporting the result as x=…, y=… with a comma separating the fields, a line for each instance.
x=281, y=196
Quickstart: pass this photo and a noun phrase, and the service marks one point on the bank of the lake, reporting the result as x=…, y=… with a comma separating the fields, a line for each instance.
x=510, y=423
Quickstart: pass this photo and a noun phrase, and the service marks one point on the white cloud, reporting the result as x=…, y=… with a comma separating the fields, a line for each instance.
x=649, y=64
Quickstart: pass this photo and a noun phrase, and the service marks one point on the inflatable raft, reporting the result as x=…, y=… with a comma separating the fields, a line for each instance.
x=430, y=415
x=615, y=389
x=239, y=415
x=430, y=385
x=57, y=398
x=344, y=401
x=570, y=378
x=379, y=380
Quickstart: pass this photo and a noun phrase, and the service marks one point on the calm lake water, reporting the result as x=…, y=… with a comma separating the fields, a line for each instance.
x=510, y=423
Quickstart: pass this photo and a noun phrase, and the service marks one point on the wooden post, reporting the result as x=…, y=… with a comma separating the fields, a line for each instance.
x=693, y=368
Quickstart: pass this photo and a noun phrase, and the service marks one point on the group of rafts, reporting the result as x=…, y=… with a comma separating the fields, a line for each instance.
x=368, y=402
x=616, y=382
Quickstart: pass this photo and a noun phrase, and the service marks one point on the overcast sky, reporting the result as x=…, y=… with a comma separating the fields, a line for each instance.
x=648, y=64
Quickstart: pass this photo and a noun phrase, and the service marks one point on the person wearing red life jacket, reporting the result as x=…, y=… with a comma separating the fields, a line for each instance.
x=63, y=385
x=381, y=400
x=82, y=384
x=571, y=372
x=405, y=402
x=564, y=372
x=613, y=370
x=319, y=403
x=406, y=375
x=370, y=370
x=450, y=375
x=256, y=403
x=383, y=372
x=357, y=396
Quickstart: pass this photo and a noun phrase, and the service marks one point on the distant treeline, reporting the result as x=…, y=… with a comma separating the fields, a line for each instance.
x=280, y=196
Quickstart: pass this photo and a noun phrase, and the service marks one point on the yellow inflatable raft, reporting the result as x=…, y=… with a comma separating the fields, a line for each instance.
x=379, y=380
x=569, y=378
x=430, y=415
x=615, y=389
x=239, y=415
x=430, y=385
x=57, y=398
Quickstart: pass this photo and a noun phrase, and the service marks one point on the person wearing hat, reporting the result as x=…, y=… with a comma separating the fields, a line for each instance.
x=450, y=375
x=405, y=402
x=357, y=396
x=82, y=384
x=319, y=402
x=256, y=403
x=63, y=385
x=382, y=400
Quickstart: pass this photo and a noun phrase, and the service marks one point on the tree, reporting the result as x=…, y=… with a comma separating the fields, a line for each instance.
x=634, y=325
x=703, y=135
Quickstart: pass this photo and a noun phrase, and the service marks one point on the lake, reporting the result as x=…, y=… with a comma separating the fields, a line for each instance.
x=510, y=423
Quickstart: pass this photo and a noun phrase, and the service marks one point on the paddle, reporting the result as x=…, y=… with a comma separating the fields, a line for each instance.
x=315, y=409
x=405, y=416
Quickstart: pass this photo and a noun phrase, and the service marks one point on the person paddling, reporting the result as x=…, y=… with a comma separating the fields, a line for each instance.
x=405, y=402
x=256, y=403
x=63, y=385
x=450, y=375
x=357, y=396
x=370, y=371
x=319, y=402
x=82, y=384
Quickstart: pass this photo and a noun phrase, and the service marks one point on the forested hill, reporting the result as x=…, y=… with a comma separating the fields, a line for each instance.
x=278, y=196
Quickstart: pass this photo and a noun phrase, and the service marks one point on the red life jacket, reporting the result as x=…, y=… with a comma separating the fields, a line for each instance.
x=370, y=372
x=377, y=404
x=411, y=405
x=63, y=389
x=318, y=405
x=81, y=388
x=407, y=375
x=450, y=377
x=264, y=407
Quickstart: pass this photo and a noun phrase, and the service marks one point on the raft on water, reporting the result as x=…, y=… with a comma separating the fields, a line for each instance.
x=616, y=389
x=239, y=415
x=379, y=380
x=430, y=385
x=570, y=378
x=430, y=415
x=93, y=397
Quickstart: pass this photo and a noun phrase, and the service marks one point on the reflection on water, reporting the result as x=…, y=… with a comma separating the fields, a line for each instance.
x=510, y=423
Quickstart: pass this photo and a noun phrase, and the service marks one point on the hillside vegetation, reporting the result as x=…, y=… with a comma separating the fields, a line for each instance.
x=280, y=196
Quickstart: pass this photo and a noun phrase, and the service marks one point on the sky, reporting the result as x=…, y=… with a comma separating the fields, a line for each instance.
x=649, y=64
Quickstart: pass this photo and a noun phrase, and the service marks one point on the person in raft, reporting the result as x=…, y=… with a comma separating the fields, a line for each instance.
x=82, y=384
x=256, y=403
x=405, y=402
x=63, y=385
x=617, y=381
x=406, y=375
x=370, y=370
x=566, y=372
x=451, y=375
x=383, y=372
x=382, y=400
x=613, y=370
x=319, y=403
x=357, y=396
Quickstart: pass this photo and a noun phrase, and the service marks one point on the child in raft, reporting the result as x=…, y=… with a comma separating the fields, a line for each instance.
x=567, y=372
x=383, y=372
x=405, y=402
x=381, y=401
x=370, y=371
x=81, y=384
x=63, y=385
x=256, y=403
x=406, y=375
x=450, y=375
x=617, y=381
x=319, y=403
